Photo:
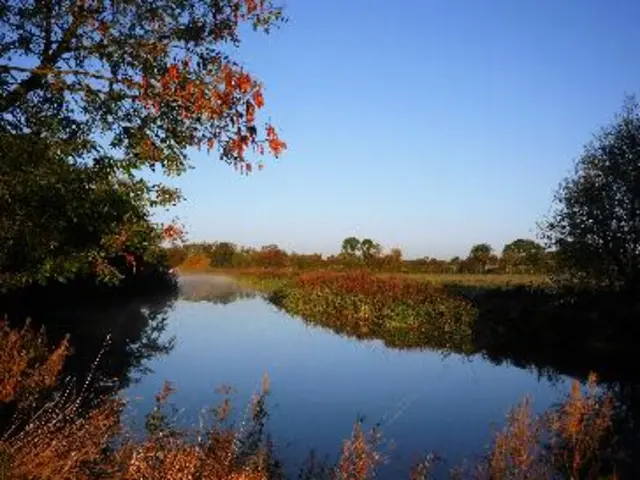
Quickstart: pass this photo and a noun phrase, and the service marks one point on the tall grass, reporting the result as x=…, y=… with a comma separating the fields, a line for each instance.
x=51, y=437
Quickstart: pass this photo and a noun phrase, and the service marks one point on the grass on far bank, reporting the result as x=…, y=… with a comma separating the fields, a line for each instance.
x=472, y=280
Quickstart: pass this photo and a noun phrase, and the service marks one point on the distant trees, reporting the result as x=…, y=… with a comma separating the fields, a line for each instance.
x=369, y=250
x=222, y=254
x=272, y=256
x=480, y=257
x=355, y=250
x=522, y=256
x=350, y=247
x=595, y=225
x=519, y=256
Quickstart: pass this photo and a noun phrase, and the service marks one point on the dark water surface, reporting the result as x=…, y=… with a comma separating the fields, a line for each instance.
x=322, y=382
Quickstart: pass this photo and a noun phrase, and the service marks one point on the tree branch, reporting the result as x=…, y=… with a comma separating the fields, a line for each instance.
x=35, y=80
x=42, y=71
x=48, y=30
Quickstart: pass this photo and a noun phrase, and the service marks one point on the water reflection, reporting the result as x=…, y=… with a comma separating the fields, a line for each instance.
x=112, y=341
x=212, y=288
x=553, y=335
x=213, y=332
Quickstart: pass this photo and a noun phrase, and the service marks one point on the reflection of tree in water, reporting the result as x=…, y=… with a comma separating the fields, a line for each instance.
x=551, y=335
x=114, y=339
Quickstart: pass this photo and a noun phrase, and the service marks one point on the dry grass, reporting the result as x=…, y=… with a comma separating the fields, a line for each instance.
x=565, y=442
x=61, y=440
x=27, y=367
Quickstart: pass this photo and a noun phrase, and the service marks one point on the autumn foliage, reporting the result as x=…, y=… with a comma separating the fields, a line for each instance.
x=157, y=77
x=93, y=93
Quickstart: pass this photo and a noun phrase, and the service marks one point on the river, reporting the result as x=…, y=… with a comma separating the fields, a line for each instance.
x=321, y=382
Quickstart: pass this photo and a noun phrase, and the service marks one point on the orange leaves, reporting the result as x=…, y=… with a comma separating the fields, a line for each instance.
x=244, y=83
x=276, y=145
x=221, y=94
x=251, y=6
x=173, y=72
x=131, y=261
x=172, y=233
x=103, y=29
x=258, y=99
x=238, y=145
x=250, y=113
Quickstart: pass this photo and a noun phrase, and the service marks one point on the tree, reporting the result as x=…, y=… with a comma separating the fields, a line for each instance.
x=148, y=79
x=480, y=256
x=222, y=254
x=272, y=256
x=523, y=254
x=351, y=246
x=595, y=224
x=62, y=221
x=396, y=255
x=392, y=260
x=112, y=88
x=369, y=250
x=454, y=264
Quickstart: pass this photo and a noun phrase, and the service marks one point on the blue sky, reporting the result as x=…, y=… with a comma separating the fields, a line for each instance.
x=426, y=125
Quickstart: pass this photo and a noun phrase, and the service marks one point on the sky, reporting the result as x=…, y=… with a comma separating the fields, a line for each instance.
x=425, y=125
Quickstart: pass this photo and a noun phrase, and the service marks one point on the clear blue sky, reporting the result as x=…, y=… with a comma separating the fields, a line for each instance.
x=428, y=125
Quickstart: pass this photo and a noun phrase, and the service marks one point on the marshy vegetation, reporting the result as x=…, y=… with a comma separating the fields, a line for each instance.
x=399, y=311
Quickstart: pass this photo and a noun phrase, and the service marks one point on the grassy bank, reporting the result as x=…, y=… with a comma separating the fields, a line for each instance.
x=400, y=311
x=201, y=264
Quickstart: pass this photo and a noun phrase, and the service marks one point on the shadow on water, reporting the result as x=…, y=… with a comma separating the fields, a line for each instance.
x=113, y=337
x=570, y=333
x=552, y=333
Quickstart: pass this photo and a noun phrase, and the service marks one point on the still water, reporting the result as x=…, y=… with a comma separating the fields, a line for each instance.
x=321, y=382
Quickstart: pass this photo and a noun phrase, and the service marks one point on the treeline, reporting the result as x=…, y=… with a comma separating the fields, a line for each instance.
x=522, y=256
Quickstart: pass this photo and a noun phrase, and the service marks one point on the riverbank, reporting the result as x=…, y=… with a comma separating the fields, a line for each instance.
x=582, y=330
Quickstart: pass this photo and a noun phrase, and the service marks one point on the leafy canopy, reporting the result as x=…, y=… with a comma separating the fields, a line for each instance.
x=134, y=82
x=61, y=220
x=523, y=253
x=595, y=224
x=92, y=92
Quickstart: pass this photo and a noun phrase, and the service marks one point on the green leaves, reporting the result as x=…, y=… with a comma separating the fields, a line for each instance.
x=61, y=221
x=595, y=225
